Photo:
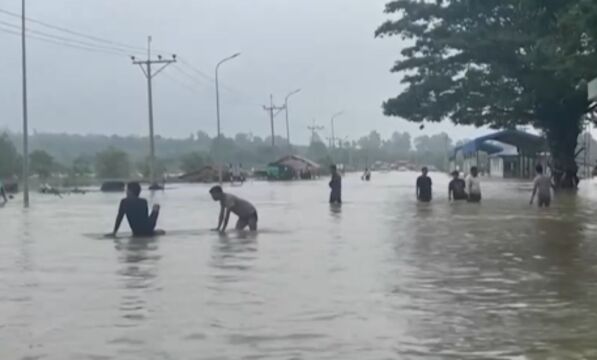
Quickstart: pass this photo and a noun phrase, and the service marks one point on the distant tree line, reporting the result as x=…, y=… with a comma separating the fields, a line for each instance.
x=80, y=157
x=109, y=157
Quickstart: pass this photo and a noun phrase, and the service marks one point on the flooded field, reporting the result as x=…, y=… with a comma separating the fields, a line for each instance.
x=382, y=277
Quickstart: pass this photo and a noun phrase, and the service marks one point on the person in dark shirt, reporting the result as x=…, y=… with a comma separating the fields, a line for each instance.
x=424, y=193
x=136, y=210
x=3, y=193
x=457, y=188
x=335, y=186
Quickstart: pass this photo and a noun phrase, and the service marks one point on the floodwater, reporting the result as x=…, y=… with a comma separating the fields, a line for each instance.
x=382, y=277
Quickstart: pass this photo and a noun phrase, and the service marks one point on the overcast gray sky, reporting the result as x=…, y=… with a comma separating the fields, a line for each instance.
x=325, y=47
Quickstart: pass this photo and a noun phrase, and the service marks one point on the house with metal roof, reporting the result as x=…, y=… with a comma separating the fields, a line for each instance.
x=293, y=167
x=503, y=154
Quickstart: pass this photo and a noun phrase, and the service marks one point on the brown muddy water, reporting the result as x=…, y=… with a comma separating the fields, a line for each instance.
x=381, y=277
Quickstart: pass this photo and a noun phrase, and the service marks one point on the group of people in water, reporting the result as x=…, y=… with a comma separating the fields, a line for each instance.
x=469, y=189
x=458, y=189
x=143, y=223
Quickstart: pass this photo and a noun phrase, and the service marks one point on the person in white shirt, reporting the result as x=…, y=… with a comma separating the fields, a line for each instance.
x=246, y=212
x=473, y=186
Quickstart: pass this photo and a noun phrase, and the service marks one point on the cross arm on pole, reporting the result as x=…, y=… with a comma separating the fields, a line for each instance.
x=166, y=64
x=143, y=69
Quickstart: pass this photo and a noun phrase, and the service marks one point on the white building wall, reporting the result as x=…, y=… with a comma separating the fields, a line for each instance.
x=496, y=165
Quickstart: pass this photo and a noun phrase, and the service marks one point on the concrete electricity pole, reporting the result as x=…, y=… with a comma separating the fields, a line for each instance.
x=273, y=112
x=314, y=129
x=25, y=114
x=146, y=67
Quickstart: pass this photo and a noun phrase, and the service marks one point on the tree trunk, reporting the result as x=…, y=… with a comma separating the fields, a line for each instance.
x=562, y=130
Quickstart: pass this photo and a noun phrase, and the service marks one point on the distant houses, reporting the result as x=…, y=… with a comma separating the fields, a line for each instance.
x=503, y=154
x=293, y=167
x=207, y=174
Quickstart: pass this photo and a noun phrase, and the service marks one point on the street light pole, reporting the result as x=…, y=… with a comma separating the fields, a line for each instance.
x=333, y=131
x=25, y=113
x=218, y=152
x=287, y=122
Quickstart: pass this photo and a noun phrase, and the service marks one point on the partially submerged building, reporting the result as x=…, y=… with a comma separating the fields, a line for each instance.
x=503, y=154
x=293, y=167
x=207, y=174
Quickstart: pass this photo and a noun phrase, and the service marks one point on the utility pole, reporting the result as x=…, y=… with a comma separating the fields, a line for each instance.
x=314, y=129
x=146, y=67
x=25, y=113
x=273, y=112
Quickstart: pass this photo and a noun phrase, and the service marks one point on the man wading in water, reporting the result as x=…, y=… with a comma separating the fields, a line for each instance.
x=424, y=192
x=456, y=189
x=3, y=193
x=335, y=186
x=542, y=185
x=473, y=186
x=246, y=212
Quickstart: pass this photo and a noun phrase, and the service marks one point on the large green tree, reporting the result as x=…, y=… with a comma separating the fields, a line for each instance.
x=112, y=164
x=500, y=63
x=9, y=157
x=41, y=163
x=193, y=161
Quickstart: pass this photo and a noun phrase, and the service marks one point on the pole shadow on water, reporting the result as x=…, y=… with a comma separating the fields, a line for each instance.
x=139, y=260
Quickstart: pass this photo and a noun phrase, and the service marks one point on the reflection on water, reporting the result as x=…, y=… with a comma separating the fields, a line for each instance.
x=139, y=259
x=381, y=277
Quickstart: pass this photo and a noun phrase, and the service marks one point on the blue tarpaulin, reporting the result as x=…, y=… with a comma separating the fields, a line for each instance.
x=526, y=143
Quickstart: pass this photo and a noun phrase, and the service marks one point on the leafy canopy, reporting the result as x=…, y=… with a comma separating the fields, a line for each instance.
x=494, y=62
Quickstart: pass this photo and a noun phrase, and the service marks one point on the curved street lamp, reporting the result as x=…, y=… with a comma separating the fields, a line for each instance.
x=333, y=130
x=218, y=110
x=287, y=122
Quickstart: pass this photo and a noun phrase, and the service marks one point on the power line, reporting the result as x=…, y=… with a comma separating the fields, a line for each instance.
x=236, y=92
x=62, y=38
x=76, y=33
x=186, y=74
x=60, y=43
x=181, y=83
x=196, y=70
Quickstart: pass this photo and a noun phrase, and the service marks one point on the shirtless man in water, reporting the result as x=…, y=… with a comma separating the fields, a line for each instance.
x=136, y=211
x=246, y=212
x=542, y=186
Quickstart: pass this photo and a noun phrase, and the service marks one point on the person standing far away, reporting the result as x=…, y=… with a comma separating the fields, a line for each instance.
x=542, y=185
x=366, y=175
x=3, y=193
x=424, y=184
x=473, y=185
x=457, y=188
x=335, y=186
x=136, y=211
x=246, y=212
